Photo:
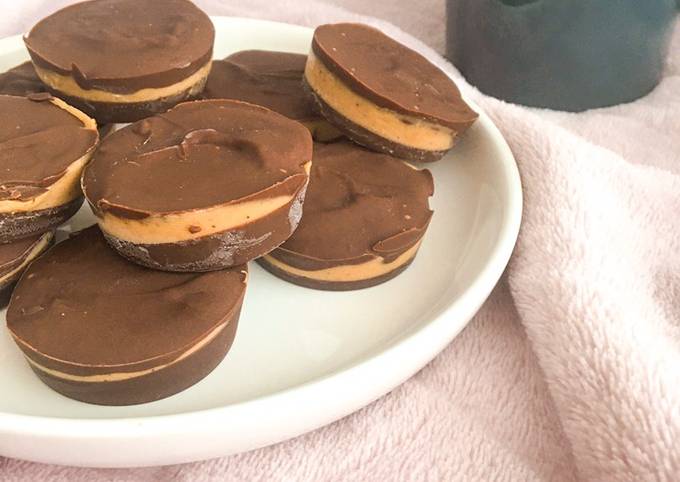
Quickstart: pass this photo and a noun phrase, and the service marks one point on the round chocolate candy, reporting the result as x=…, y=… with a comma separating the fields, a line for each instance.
x=123, y=60
x=99, y=329
x=365, y=217
x=383, y=95
x=207, y=185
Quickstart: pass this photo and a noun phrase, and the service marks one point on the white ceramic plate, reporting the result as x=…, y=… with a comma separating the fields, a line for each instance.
x=301, y=358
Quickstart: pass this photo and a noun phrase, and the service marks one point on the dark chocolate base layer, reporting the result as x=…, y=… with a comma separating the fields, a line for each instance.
x=331, y=285
x=220, y=250
x=153, y=386
x=21, y=225
x=369, y=139
x=109, y=112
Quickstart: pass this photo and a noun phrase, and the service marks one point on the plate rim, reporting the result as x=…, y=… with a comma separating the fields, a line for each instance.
x=472, y=297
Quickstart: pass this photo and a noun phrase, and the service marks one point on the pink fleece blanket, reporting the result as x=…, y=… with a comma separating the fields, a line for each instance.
x=571, y=370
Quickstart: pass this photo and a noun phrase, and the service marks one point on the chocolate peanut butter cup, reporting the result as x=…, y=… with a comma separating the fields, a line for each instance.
x=365, y=217
x=16, y=256
x=272, y=80
x=384, y=95
x=123, y=60
x=207, y=185
x=44, y=146
x=101, y=330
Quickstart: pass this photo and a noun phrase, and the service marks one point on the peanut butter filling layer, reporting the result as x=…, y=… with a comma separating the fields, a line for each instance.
x=122, y=376
x=190, y=225
x=39, y=247
x=172, y=228
x=403, y=129
x=67, y=187
x=66, y=84
x=350, y=272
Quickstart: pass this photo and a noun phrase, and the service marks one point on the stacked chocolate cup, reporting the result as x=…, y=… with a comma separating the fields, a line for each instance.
x=298, y=162
x=44, y=146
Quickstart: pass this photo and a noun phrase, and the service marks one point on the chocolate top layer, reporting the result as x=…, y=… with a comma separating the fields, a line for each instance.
x=197, y=155
x=123, y=45
x=359, y=205
x=21, y=80
x=269, y=79
x=38, y=142
x=390, y=74
x=14, y=253
x=82, y=303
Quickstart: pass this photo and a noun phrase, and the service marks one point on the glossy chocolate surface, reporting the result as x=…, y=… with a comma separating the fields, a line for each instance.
x=360, y=205
x=197, y=155
x=390, y=74
x=269, y=79
x=123, y=46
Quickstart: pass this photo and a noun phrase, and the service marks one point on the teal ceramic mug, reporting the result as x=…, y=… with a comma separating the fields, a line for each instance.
x=562, y=54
